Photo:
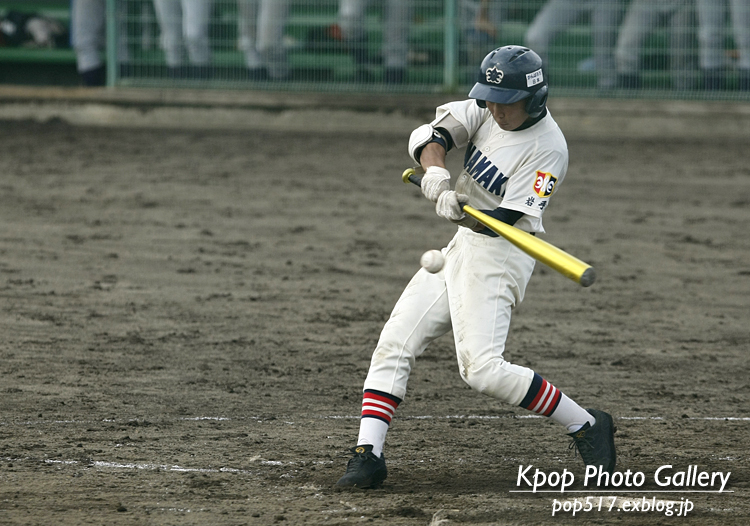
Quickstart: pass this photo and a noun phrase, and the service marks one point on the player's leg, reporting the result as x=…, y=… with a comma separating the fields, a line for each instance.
x=247, y=24
x=396, y=40
x=271, y=23
x=88, y=21
x=605, y=21
x=682, y=61
x=420, y=316
x=741, y=31
x=642, y=16
x=169, y=16
x=553, y=19
x=710, y=23
x=196, y=17
x=481, y=311
x=351, y=19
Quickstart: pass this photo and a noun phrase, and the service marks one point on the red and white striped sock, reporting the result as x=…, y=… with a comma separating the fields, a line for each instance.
x=545, y=399
x=377, y=411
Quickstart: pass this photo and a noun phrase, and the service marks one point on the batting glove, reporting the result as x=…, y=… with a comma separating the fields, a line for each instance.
x=435, y=181
x=450, y=206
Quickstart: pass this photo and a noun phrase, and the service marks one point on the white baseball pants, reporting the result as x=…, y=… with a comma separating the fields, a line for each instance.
x=711, y=20
x=482, y=280
x=184, y=25
x=87, y=29
x=395, y=27
x=261, y=34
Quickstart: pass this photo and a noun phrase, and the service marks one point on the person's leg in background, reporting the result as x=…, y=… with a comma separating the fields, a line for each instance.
x=270, y=43
x=605, y=21
x=196, y=17
x=640, y=19
x=554, y=18
x=247, y=25
x=169, y=16
x=681, y=57
x=741, y=31
x=711, y=15
x=88, y=35
x=396, y=40
x=352, y=24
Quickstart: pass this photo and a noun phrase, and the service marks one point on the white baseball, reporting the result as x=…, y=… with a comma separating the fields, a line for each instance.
x=432, y=261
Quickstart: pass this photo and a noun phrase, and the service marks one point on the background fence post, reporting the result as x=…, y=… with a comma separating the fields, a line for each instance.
x=112, y=38
x=450, y=72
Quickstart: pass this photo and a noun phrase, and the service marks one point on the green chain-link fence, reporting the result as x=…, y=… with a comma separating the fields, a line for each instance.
x=639, y=48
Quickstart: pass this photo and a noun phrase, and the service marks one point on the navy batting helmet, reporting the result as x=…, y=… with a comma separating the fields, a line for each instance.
x=509, y=74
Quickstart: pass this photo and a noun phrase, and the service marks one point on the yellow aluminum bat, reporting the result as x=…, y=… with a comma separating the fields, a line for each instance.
x=555, y=258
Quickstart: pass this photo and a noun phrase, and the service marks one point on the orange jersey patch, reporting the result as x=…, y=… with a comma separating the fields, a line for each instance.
x=544, y=184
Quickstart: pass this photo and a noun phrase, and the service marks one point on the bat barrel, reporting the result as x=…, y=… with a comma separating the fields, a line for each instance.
x=555, y=258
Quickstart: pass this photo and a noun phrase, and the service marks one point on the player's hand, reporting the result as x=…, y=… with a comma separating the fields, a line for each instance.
x=435, y=181
x=450, y=206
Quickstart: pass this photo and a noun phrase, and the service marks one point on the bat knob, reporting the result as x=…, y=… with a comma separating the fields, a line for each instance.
x=407, y=173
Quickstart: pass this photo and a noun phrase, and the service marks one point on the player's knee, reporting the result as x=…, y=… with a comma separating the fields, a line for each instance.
x=496, y=378
x=195, y=37
x=480, y=378
x=476, y=381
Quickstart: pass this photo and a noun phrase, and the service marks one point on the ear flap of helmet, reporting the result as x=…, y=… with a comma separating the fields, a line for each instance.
x=536, y=103
x=482, y=104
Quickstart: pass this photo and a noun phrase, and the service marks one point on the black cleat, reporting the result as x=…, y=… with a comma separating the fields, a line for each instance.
x=364, y=470
x=597, y=444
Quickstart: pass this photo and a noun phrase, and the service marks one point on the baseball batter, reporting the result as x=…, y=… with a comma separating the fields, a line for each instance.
x=515, y=157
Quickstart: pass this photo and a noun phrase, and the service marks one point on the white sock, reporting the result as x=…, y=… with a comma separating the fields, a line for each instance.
x=571, y=415
x=372, y=432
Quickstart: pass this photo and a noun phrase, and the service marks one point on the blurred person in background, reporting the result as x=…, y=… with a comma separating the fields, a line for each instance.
x=261, y=37
x=184, y=28
x=641, y=19
x=395, y=47
x=711, y=21
x=557, y=15
x=480, y=26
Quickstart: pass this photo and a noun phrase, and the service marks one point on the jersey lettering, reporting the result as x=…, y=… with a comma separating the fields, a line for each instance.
x=470, y=149
x=481, y=169
x=487, y=176
x=498, y=186
x=544, y=184
x=479, y=166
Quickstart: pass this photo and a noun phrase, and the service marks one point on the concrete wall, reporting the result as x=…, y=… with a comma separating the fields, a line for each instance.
x=355, y=113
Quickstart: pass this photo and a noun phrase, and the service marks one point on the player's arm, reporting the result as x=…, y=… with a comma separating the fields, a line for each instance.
x=428, y=146
x=433, y=154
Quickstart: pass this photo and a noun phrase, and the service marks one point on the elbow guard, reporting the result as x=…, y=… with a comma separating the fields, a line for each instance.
x=424, y=135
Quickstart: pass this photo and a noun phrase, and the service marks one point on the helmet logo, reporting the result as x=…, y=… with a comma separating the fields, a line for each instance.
x=494, y=75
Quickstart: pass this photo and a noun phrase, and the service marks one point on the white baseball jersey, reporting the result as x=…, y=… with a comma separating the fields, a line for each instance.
x=518, y=170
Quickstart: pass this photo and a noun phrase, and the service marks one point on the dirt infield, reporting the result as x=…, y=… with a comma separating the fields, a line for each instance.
x=188, y=316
